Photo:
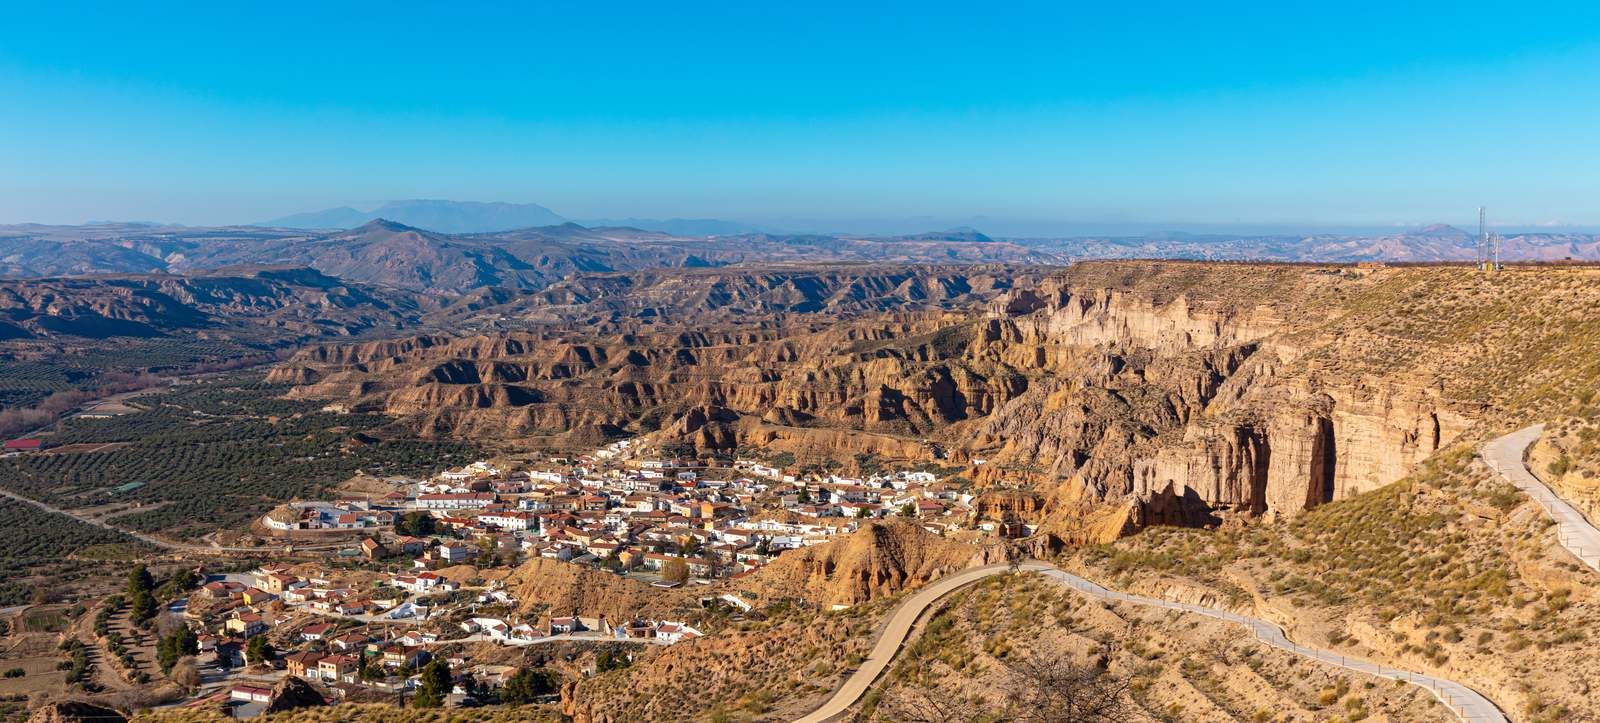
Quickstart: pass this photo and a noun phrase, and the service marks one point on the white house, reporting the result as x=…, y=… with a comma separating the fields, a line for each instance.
x=671, y=632
x=507, y=520
x=418, y=583
x=250, y=694
x=454, y=501
x=406, y=610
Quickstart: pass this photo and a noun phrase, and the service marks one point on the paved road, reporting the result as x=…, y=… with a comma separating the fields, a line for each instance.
x=1504, y=455
x=1467, y=704
x=893, y=635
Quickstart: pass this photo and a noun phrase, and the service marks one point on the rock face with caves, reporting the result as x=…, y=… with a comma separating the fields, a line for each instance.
x=1109, y=396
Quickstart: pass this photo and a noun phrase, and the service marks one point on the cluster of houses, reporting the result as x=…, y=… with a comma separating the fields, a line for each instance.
x=372, y=646
x=665, y=632
x=642, y=514
x=346, y=515
x=665, y=518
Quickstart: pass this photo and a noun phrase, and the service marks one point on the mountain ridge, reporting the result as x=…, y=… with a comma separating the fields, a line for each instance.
x=391, y=252
x=432, y=214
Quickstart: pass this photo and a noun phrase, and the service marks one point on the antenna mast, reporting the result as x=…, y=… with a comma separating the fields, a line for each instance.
x=1488, y=244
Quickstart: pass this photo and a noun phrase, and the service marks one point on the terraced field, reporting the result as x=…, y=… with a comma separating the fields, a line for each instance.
x=215, y=455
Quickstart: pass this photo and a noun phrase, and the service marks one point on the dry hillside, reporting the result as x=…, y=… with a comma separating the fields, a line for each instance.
x=546, y=587
x=1450, y=571
x=979, y=657
x=880, y=560
x=1567, y=456
x=774, y=669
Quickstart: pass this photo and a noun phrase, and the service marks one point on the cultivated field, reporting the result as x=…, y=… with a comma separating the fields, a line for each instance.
x=214, y=455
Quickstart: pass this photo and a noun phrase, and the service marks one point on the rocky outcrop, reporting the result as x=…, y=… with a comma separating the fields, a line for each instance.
x=292, y=693
x=1123, y=394
x=546, y=587
x=878, y=560
x=75, y=712
x=997, y=504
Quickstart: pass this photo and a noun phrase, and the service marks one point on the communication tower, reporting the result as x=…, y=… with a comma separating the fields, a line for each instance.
x=1488, y=244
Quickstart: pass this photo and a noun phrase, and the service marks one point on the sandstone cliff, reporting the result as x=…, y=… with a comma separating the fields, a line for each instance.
x=550, y=587
x=880, y=559
x=1122, y=394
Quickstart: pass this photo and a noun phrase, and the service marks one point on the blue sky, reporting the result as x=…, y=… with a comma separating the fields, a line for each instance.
x=1200, y=114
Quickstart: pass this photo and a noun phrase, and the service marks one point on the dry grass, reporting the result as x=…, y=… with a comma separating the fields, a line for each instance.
x=774, y=669
x=1180, y=667
x=1448, y=570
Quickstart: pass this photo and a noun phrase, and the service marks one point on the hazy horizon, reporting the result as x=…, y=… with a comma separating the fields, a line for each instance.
x=998, y=227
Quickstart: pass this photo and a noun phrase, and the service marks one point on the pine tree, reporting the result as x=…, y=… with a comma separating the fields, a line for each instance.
x=140, y=579
x=435, y=685
x=528, y=685
x=258, y=650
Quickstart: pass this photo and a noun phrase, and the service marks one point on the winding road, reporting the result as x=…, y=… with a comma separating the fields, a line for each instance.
x=1465, y=703
x=1576, y=533
x=894, y=634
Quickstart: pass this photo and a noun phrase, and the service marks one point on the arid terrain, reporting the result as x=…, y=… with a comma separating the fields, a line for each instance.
x=1186, y=390
x=799, y=363
x=1289, y=442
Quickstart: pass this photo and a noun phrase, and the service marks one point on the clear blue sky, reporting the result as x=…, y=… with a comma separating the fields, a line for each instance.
x=1358, y=113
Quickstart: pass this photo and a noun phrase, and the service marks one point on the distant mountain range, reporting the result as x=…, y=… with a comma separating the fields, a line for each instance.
x=680, y=226
x=479, y=217
x=385, y=252
x=389, y=253
x=442, y=216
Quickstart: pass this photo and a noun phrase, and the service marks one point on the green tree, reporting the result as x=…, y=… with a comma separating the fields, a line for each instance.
x=529, y=684
x=608, y=660
x=863, y=513
x=435, y=685
x=139, y=579
x=908, y=510
x=182, y=581
x=172, y=647
x=258, y=650
x=416, y=524
x=140, y=595
x=142, y=607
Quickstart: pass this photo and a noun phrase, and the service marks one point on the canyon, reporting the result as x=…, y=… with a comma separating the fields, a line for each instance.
x=1288, y=442
x=1094, y=400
